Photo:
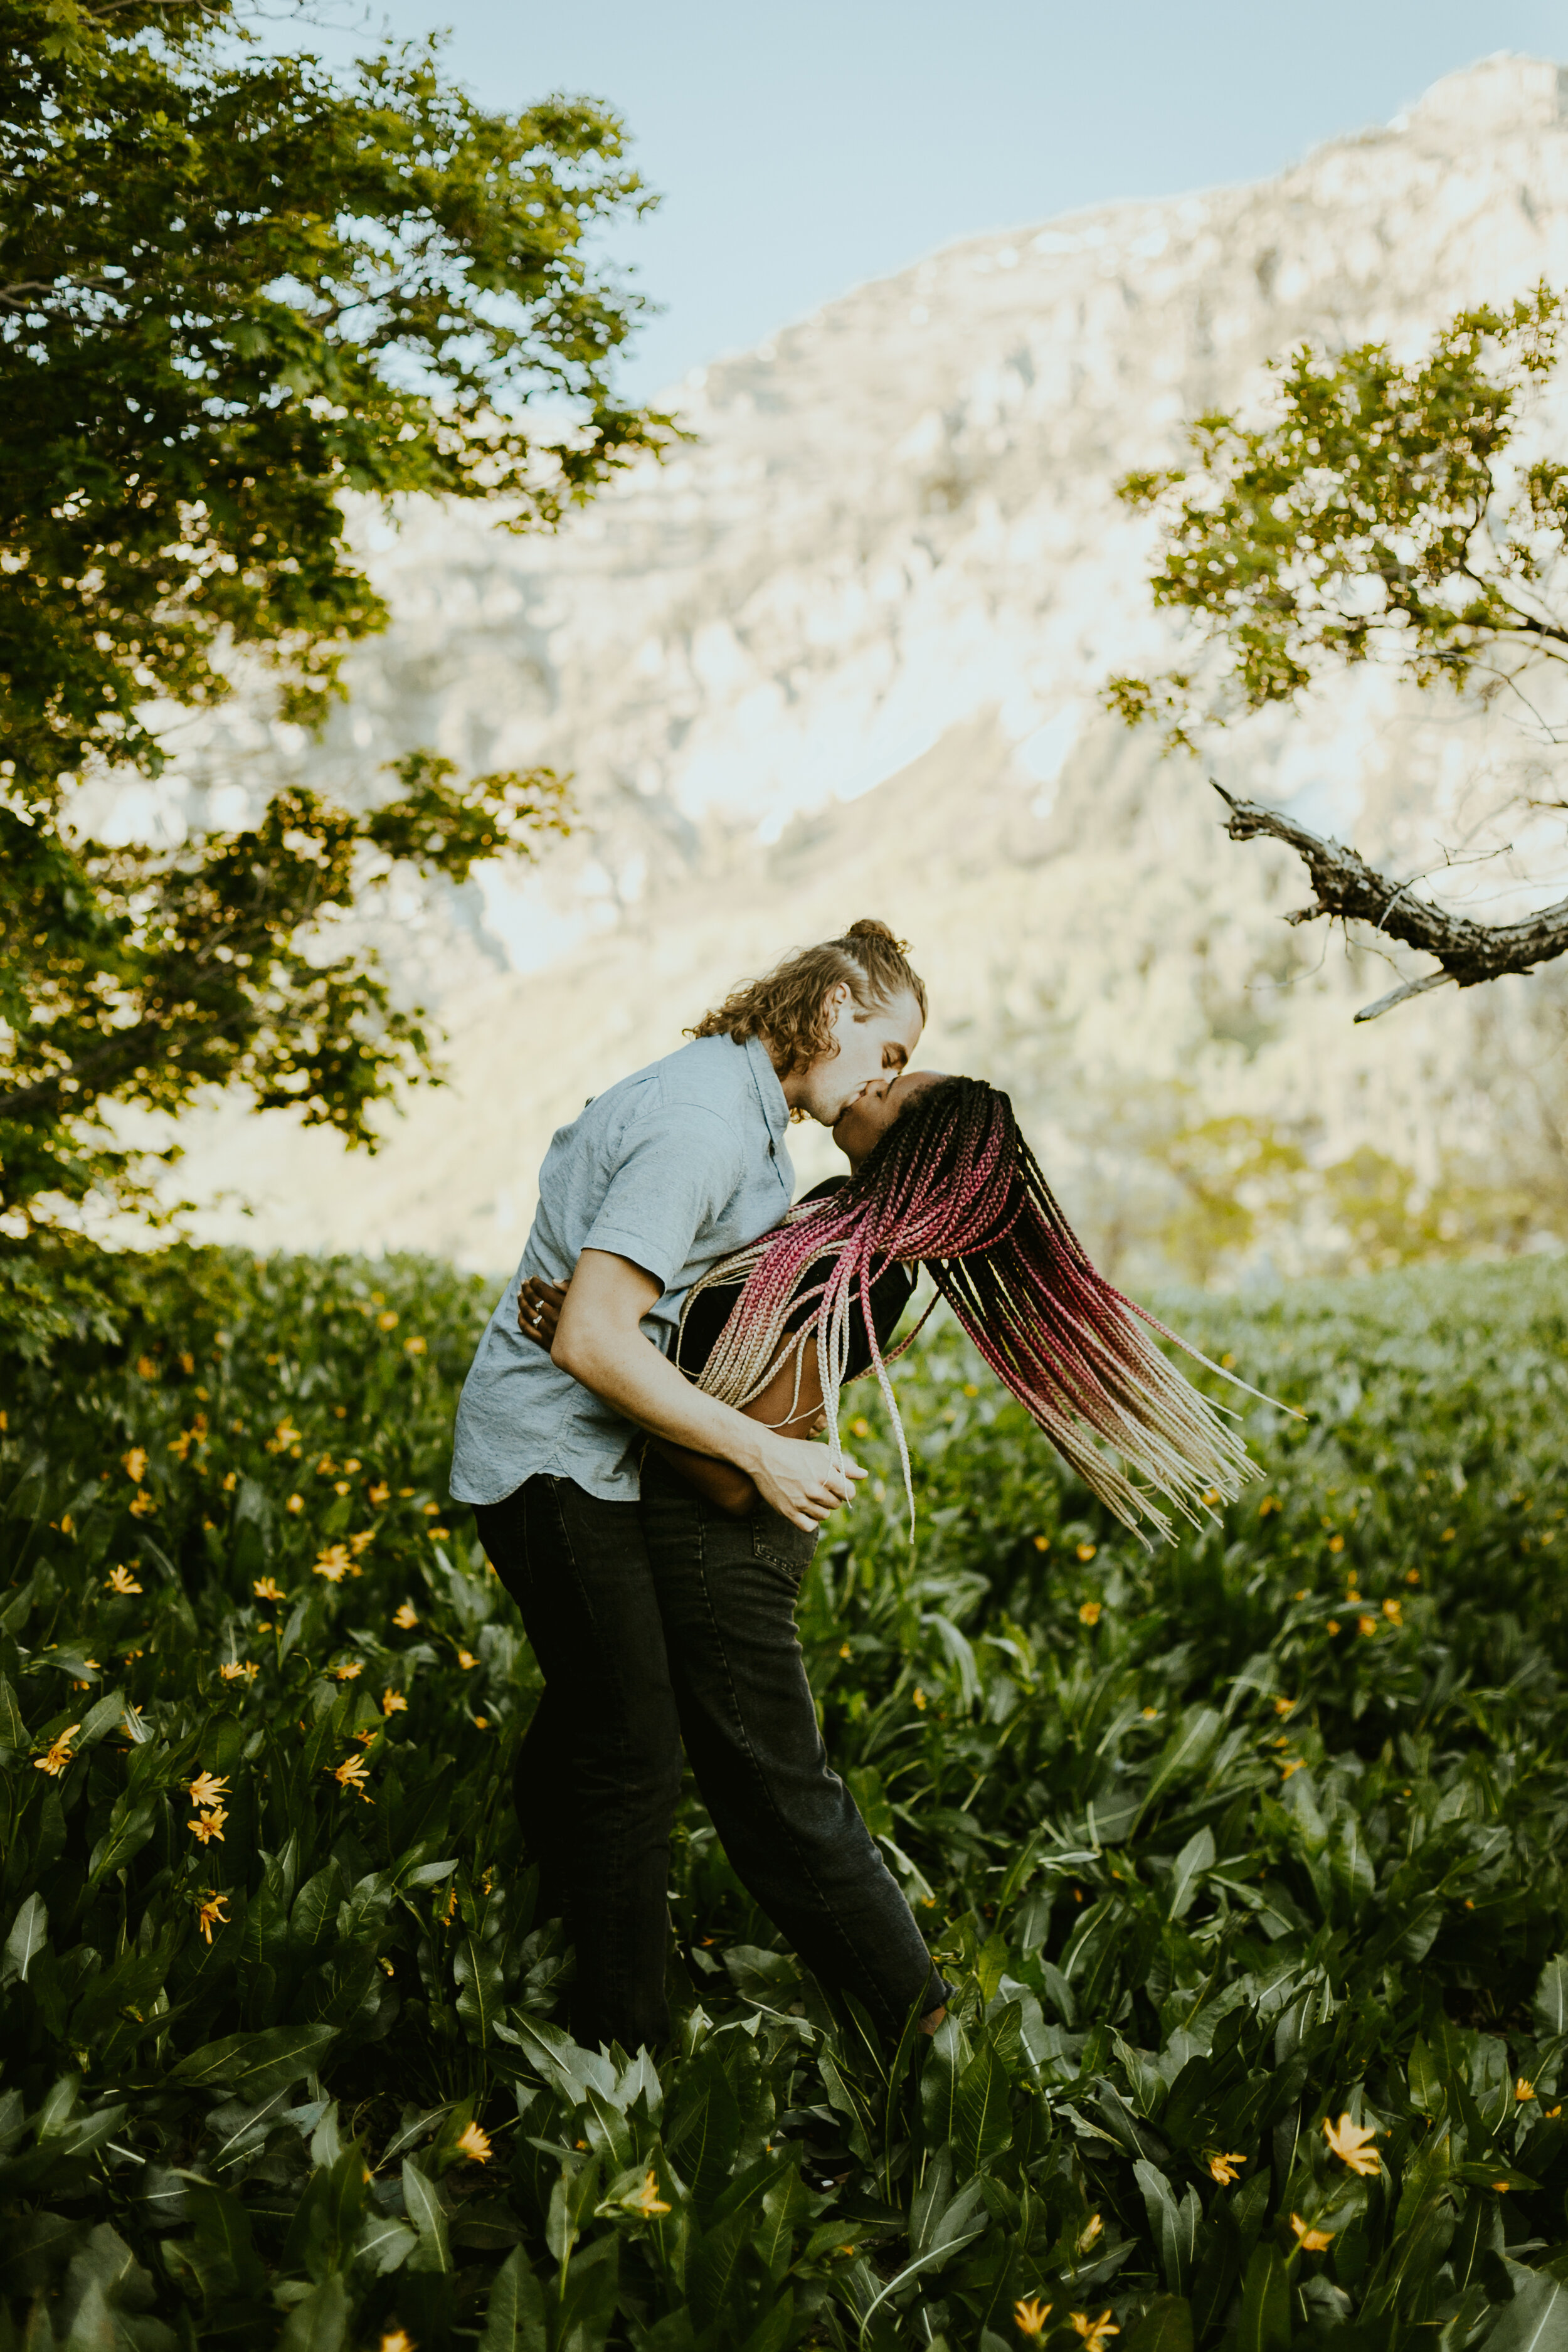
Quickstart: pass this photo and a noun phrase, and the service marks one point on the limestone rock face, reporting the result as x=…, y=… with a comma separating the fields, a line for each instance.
x=842, y=655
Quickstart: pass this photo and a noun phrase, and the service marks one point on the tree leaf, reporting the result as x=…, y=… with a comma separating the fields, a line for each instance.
x=1265, y=2322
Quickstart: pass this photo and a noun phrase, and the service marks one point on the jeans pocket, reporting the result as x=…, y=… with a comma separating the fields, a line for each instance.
x=780, y=1545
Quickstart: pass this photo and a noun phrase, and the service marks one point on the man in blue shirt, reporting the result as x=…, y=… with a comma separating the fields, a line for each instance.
x=664, y=1173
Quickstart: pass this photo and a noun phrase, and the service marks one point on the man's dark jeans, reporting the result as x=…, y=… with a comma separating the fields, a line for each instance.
x=662, y=1621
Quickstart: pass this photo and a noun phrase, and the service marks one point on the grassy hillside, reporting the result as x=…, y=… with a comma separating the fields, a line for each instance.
x=1222, y=1847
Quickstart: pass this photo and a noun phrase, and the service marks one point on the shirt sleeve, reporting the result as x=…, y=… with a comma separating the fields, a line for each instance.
x=674, y=1172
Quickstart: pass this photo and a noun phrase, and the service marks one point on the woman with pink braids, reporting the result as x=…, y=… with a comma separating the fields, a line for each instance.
x=941, y=1177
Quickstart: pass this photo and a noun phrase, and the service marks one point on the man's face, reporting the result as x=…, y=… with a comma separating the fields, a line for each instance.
x=869, y=1041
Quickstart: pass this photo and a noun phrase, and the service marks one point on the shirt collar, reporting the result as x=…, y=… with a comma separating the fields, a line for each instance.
x=769, y=1093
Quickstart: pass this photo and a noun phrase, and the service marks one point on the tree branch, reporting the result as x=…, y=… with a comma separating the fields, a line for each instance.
x=1346, y=886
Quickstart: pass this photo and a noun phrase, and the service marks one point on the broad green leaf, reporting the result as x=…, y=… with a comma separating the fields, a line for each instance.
x=1198, y=1855
x=704, y=2136
x=1537, y=2318
x=313, y=1921
x=478, y=1969
x=1165, y=2326
x=1550, y=2002
x=1184, y=1755
x=713, y=2262
x=223, y=2230
x=514, y=2316
x=319, y=2323
x=1265, y=2322
x=253, y=2066
x=424, y=2208
x=13, y=1730
x=1175, y=2226
x=982, y=2125
x=29, y=1933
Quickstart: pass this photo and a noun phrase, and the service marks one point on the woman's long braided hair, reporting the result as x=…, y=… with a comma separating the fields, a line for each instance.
x=953, y=1184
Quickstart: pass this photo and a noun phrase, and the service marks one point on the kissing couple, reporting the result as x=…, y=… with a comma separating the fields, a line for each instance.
x=636, y=1437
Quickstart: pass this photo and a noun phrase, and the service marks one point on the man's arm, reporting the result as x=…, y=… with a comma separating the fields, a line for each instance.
x=598, y=1341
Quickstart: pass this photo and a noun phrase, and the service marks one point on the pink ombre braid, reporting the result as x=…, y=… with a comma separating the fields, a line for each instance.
x=955, y=1185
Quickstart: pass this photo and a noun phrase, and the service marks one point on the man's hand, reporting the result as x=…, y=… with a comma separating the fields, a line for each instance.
x=539, y=1306
x=799, y=1480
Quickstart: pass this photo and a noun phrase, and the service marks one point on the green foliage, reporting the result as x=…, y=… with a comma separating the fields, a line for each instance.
x=235, y=290
x=1216, y=1849
x=1377, y=510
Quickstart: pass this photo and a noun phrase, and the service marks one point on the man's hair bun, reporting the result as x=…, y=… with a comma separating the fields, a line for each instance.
x=868, y=928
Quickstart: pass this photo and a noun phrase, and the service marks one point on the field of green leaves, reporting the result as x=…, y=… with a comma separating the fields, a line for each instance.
x=1247, y=1861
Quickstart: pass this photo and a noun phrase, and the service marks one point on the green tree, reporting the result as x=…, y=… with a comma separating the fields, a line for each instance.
x=235, y=288
x=1382, y=511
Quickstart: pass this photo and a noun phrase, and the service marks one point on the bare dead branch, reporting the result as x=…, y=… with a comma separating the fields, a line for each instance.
x=1346, y=887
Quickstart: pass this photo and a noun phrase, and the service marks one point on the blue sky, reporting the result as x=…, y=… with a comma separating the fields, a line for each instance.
x=801, y=149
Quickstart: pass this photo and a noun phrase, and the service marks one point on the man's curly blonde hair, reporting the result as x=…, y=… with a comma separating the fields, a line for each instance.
x=787, y=1008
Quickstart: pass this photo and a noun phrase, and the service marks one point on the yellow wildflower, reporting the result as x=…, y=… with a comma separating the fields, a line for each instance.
x=339, y=1485
x=1332, y=1626
x=357, y=1544
x=210, y=1913
x=394, y=1703
x=1524, y=2090
x=335, y=1563
x=396, y=2340
x=230, y=1481
x=1366, y=1625
x=437, y=1533
x=474, y=2143
x=431, y=1510
x=1087, y=1551
x=208, y=1788
x=1336, y=1543
x=1212, y=1496
x=267, y=1588
x=1043, y=1543
x=413, y=1347
x=1095, y=2332
x=239, y=1670
x=920, y=1697
x=146, y=1369
x=482, y=1723
x=143, y=1505
x=1395, y=1611
x=406, y=1617
x=1352, y=2143
x=351, y=1774
x=467, y=1660
x=1224, y=2168
x=1288, y=1764
x=1448, y=1533
x=1269, y=1503
x=57, y=1755
x=645, y=2201
x=207, y=1826
x=1030, y=2315
x=120, y=1580
x=1089, y=1612
x=379, y=1492
x=1284, y=1706
x=1311, y=2242
x=1094, y=2227
x=295, y=1505
x=352, y=1464
x=282, y=1438
x=1150, y=1713
x=386, y=1321
x=348, y=1671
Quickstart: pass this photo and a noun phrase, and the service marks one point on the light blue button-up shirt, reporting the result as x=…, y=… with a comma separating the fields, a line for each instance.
x=673, y=1168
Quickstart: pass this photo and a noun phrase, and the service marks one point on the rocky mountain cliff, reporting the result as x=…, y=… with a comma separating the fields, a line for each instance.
x=842, y=655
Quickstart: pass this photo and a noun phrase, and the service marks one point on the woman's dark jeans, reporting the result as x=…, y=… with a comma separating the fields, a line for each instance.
x=662, y=1621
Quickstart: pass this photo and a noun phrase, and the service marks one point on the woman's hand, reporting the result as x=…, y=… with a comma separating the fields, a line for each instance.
x=539, y=1306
